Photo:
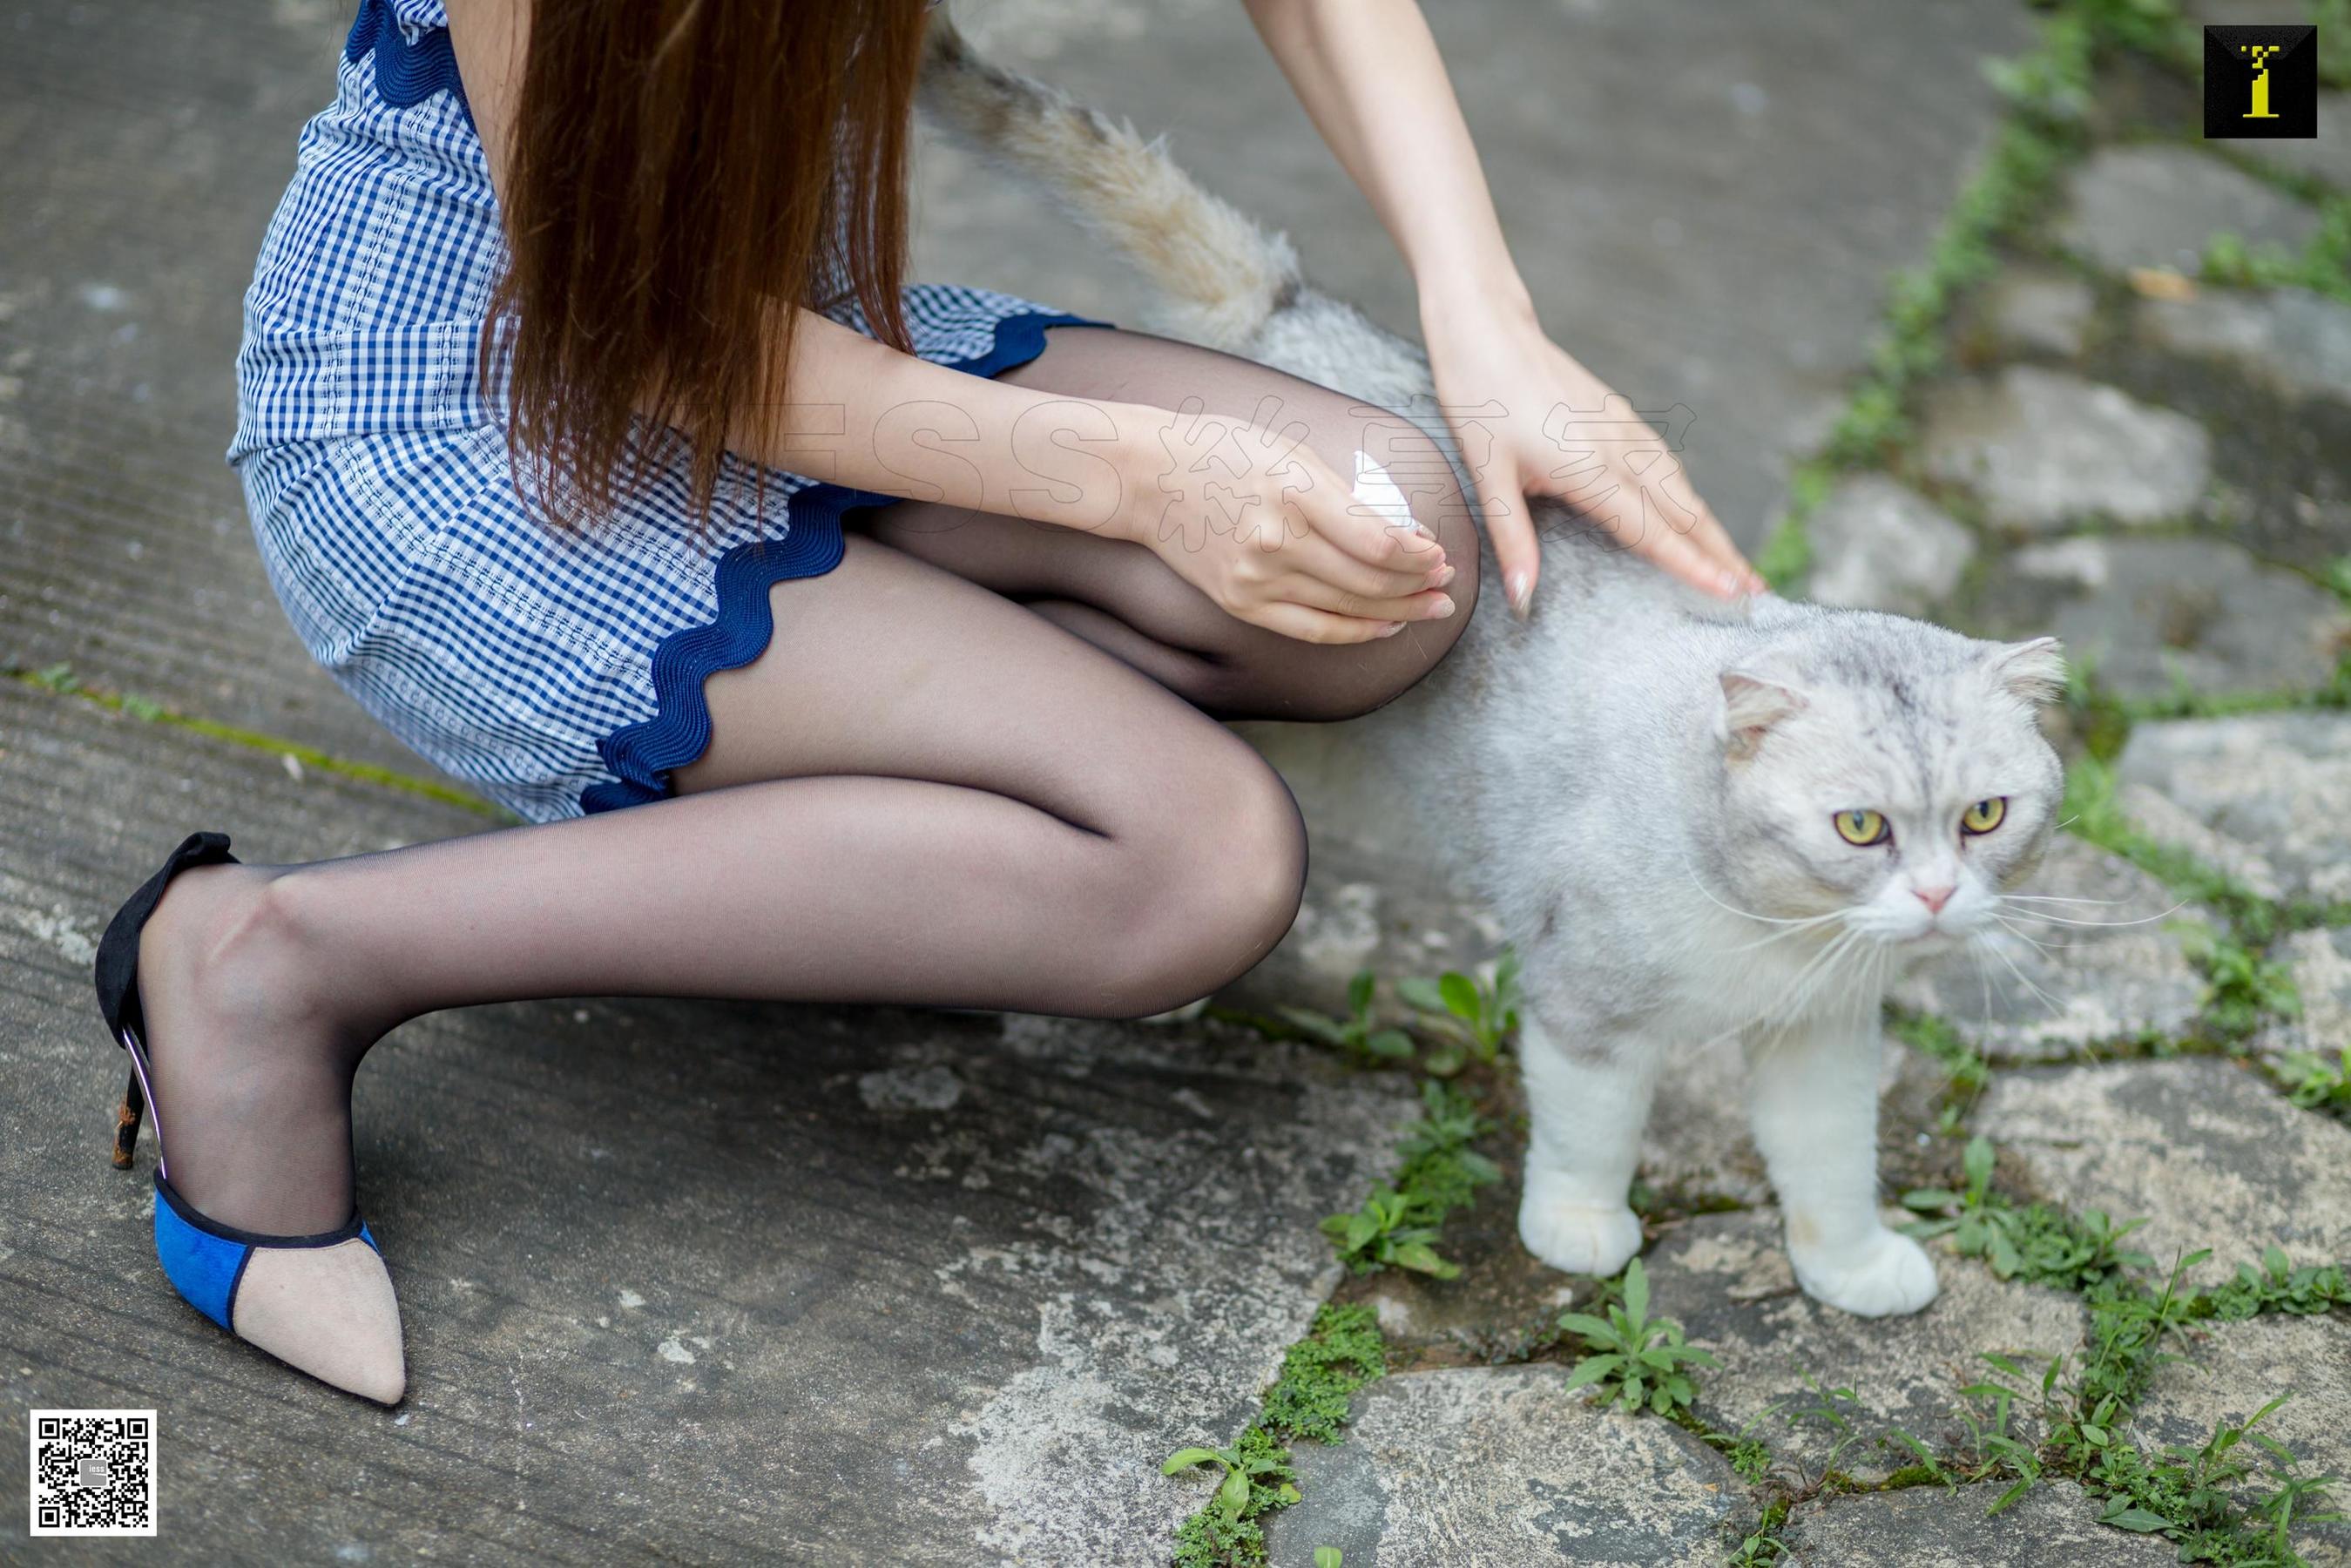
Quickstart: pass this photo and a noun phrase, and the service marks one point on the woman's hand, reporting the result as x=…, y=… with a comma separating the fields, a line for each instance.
x=1532, y=422
x=1255, y=520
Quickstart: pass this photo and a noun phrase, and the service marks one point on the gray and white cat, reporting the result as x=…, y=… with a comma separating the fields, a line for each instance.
x=1693, y=819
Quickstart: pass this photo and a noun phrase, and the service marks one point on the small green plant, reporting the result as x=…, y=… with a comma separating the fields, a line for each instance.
x=1966, y=1074
x=2276, y=1285
x=2242, y=989
x=1470, y=1018
x=1246, y=1464
x=1329, y=1557
x=57, y=678
x=1399, y=1224
x=2316, y=1084
x=1309, y=1400
x=1762, y=1548
x=1360, y=1033
x=2040, y=1244
x=1636, y=1360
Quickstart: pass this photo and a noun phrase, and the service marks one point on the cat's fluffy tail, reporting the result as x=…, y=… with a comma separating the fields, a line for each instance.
x=1219, y=274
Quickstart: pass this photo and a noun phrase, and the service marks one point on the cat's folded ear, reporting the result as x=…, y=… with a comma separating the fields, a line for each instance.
x=1753, y=700
x=2033, y=672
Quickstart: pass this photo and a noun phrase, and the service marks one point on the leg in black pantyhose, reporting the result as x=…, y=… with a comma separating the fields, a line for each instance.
x=923, y=792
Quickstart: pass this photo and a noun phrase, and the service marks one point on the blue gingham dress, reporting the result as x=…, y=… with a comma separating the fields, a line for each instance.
x=554, y=672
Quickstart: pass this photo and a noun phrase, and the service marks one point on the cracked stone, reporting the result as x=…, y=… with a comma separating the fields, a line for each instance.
x=1878, y=545
x=2158, y=206
x=2265, y=798
x=2237, y=1368
x=2320, y=962
x=2043, y=309
x=1728, y=1279
x=2152, y=616
x=2055, y=1525
x=2044, y=448
x=2130, y=979
x=2206, y=1151
x=1494, y=1467
x=2297, y=342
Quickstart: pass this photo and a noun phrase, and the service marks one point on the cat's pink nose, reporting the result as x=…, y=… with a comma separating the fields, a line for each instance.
x=1934, y=898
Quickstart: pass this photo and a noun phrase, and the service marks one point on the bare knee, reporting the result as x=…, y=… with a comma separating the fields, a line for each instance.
x=1220, y=870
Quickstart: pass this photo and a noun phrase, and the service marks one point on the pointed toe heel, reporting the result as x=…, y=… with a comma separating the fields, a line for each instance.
x=322, y=1304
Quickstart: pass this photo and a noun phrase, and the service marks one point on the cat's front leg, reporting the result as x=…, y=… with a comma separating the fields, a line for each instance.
x=1587, y=1103
x=1813, y=1107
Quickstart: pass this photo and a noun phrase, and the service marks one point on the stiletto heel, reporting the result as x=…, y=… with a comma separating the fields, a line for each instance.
x=322, y=1304
x=126, y=1122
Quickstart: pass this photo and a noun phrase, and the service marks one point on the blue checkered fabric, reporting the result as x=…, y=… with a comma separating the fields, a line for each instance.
x=554, y=672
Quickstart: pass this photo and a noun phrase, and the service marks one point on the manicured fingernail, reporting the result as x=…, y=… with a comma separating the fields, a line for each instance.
x=1518, y=589
x=1731, y=583
x=1390, y=629
x=1441, y=576
x=1442, y=608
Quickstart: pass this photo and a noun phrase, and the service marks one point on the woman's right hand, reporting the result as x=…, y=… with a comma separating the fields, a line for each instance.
x=1256, y=520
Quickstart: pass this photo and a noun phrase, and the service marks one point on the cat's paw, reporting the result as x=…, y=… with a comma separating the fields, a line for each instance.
x=1580, y=1236
x=1882, y=1275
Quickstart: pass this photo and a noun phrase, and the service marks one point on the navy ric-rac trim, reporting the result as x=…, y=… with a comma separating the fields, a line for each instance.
x=640, y=755
x=406, y=74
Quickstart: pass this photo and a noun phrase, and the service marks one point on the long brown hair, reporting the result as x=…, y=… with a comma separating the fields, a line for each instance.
x=682, y=172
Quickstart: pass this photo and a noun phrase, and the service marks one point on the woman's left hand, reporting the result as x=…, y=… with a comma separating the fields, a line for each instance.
x=1530, y=420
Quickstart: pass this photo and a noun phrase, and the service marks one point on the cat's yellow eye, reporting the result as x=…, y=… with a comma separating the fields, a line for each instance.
x=1984, y=815
x=1862, y=828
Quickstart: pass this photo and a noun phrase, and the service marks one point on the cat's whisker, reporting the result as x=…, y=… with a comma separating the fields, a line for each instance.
x=1699, y=883
x=2022, y=978
x=1777, y=936
x=2021, y=935
x=2052, y=898
x=2102, y=924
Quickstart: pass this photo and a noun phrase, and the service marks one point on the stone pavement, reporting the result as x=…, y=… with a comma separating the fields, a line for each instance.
x=705, y=1282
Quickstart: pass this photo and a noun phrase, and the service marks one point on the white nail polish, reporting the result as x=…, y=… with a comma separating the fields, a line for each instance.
x=1517, y=587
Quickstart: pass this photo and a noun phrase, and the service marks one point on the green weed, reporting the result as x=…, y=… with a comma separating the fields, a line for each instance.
x=2316, y=1084
x=2039, y=1243
x=1636, y=1360
x=1309, y=1400
x=2276, y=1285
x=1399, y=1224
x=1360, y=1033
x=1468, y=1017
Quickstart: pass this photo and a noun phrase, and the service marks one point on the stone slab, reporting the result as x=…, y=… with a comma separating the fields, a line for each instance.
x=2152, y=616
x=1879, y=545
x=2055, y=1525
x=2326, y=156
x=2155, y=206
x=1492, y=1467
x=2265, y=796
x=2059, y=987
x=2202, y=1148
x=2297, y=342
x=1725, y=252
x=2237, y=1368
x=712, y=1281
x=2034, y=309
x=1728, y=1279
x=2046, y=448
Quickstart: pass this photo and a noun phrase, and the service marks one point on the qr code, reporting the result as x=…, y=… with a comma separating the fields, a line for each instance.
x=93, y=1472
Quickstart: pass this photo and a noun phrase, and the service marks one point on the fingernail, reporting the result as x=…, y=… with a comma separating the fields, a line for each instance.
x=1758, y=583
x=1731, y=585
x=1441, y=576
x=1441, y=609
x=1390, y=629
x=1518, y=589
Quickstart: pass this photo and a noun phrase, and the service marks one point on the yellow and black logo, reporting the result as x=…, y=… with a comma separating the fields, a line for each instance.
x=2261, y=82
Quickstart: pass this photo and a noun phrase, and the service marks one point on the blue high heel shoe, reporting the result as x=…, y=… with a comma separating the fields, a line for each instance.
x=324, y=1304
